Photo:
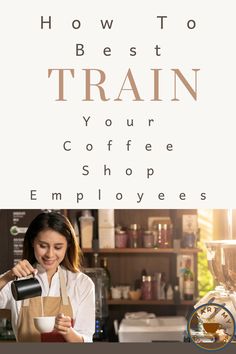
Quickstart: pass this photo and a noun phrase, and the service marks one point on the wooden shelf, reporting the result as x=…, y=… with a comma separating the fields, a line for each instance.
x=143, y=250
x=149, y=302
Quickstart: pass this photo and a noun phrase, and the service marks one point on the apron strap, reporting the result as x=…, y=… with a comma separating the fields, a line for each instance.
x=25, y=303
x=63, y=287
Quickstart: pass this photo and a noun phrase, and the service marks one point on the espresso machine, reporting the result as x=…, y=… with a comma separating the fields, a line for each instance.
x=221, y=257
x=99, y=277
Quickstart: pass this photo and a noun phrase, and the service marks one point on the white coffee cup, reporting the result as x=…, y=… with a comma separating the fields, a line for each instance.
x=115, y=292
x=44, y=324
x=125, y=291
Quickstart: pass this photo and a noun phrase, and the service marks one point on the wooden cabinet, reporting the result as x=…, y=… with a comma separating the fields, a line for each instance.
x=125, y=266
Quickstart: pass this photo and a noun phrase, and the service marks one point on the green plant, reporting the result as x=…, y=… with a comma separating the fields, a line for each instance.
x=205, y=279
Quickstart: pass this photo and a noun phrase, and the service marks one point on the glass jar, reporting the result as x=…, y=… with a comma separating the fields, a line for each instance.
x=86, y=228
x=146, y=288
x=121, y=239
x=134, y=236
x=148, y=239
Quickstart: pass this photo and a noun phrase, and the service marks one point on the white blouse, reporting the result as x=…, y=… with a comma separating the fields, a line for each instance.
x=80, y=289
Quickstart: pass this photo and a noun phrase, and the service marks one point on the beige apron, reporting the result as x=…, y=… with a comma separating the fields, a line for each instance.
x=33, y=308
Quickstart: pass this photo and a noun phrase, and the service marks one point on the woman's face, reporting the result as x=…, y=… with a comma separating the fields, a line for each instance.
x=49, y=249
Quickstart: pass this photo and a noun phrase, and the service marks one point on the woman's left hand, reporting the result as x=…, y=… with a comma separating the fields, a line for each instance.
x=63, y=324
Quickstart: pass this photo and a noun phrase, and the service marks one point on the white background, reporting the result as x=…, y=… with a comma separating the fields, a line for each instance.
x=34, y=125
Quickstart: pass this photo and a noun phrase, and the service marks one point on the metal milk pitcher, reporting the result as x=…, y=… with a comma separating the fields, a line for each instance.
x=26, y=288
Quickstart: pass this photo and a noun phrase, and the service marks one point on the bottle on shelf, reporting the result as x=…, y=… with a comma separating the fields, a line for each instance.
x=189, y=229
x=138, y=282
x=104, y=265
x=121, y=239
x=163, y=286
x=164, y=235
x=95, y=261
x=148, y=239
x=169, y=292
x=86, y=228
x=146, y=288
x=189, y=240
x=177, y=299
x=177, y=296
x=188, y=281
x=134, y=236
x=156, y=286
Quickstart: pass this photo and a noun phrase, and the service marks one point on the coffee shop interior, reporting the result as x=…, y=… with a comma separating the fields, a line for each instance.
x=149, y=266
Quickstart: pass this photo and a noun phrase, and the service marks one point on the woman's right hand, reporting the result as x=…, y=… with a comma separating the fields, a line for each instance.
x=23, y=269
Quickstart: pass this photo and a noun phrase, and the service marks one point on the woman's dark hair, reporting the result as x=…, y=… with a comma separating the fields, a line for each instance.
x=59, y=223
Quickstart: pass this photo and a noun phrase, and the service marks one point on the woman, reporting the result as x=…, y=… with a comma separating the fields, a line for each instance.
x=52, y=254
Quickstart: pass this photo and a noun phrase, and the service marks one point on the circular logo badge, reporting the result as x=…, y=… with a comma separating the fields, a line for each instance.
x=211, y=326
x=14, y=230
